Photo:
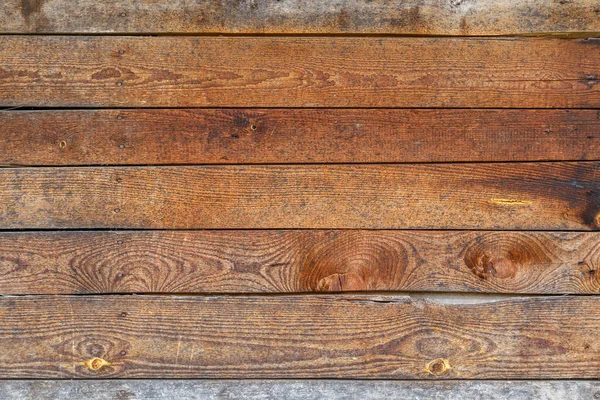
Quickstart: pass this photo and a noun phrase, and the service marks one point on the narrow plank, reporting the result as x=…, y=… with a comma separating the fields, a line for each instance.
x=298, y=72
x=524, y=196
x=298, y=390
x=298, y=261
x=299, y=337
x=424, y=17
x=229, y=136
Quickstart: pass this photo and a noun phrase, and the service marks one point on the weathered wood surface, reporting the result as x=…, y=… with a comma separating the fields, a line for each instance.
x=299, y=337
x=298, y=390
x=525, y=196
x=298, y=261
x=298, y=72
x=228, y=136
x=424, y=17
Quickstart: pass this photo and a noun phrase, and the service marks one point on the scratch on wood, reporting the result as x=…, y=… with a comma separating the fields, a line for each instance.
x=511, y=202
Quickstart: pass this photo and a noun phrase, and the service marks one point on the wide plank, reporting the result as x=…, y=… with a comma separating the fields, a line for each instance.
x=299, y=337
x=525, y=196
x=252, y=136
x=298, y=261
x=424, y=17
x=108, y=71
x=297, y=390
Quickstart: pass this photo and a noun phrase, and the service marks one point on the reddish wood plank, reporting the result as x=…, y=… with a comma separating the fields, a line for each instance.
x=539, y=196
x=298, y=72
x=456, y=17
x=298, y=337
x=229, y=136
x=298, y=261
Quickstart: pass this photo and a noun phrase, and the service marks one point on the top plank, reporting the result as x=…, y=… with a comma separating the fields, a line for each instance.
x=412, y=17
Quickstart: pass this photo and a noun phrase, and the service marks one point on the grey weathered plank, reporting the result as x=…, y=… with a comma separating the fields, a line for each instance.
x=280, y=261
x=209, y=71
x=456, y=17
x=298, y=390
x=319, y=336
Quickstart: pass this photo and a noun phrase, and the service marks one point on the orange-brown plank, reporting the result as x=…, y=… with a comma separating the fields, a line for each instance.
x=425, y=17
x=224, y=136
x=298, y=72
x=540, y=196
x=299, y=337
x=298, y=261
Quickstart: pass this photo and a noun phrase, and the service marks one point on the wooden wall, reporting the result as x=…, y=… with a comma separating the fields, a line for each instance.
x=262, y=198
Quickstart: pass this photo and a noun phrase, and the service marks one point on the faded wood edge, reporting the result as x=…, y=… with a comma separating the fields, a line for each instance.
x=427, y=17
x=297, y=389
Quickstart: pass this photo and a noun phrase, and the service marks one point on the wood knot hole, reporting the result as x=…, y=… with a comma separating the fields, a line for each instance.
x=62, y=144
x=96, y=363
x=437, y=367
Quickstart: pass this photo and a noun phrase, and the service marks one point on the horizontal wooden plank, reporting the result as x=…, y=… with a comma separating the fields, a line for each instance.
x=425, y=17
x=298, y=337
x=538, y=196
x=298, y=261
x=298, y=72
x=297, y=390
x=228, y=136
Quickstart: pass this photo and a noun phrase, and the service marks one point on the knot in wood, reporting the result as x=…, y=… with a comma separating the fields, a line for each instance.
x=96, y=363
x=437, y=367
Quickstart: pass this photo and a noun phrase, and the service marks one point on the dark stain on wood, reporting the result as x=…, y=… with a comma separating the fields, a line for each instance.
x=29, y=7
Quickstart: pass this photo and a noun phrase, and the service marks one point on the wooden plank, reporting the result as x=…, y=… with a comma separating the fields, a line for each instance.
x=527, y=196
x=299, y=337
x=298, y=390
x=298, y=261
x=229, y=136
x=424, y=17
x=298, y=72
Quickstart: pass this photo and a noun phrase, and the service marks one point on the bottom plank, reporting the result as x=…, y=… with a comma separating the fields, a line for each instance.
x=300, y=337
x=299, y=390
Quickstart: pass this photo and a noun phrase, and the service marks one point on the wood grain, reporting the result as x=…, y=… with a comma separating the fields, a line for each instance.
x=298, y=337
x=297, y=390
x=298, y=261
x=424, y=17
x=525, y=196
x=111, y=71
x=229, y=136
